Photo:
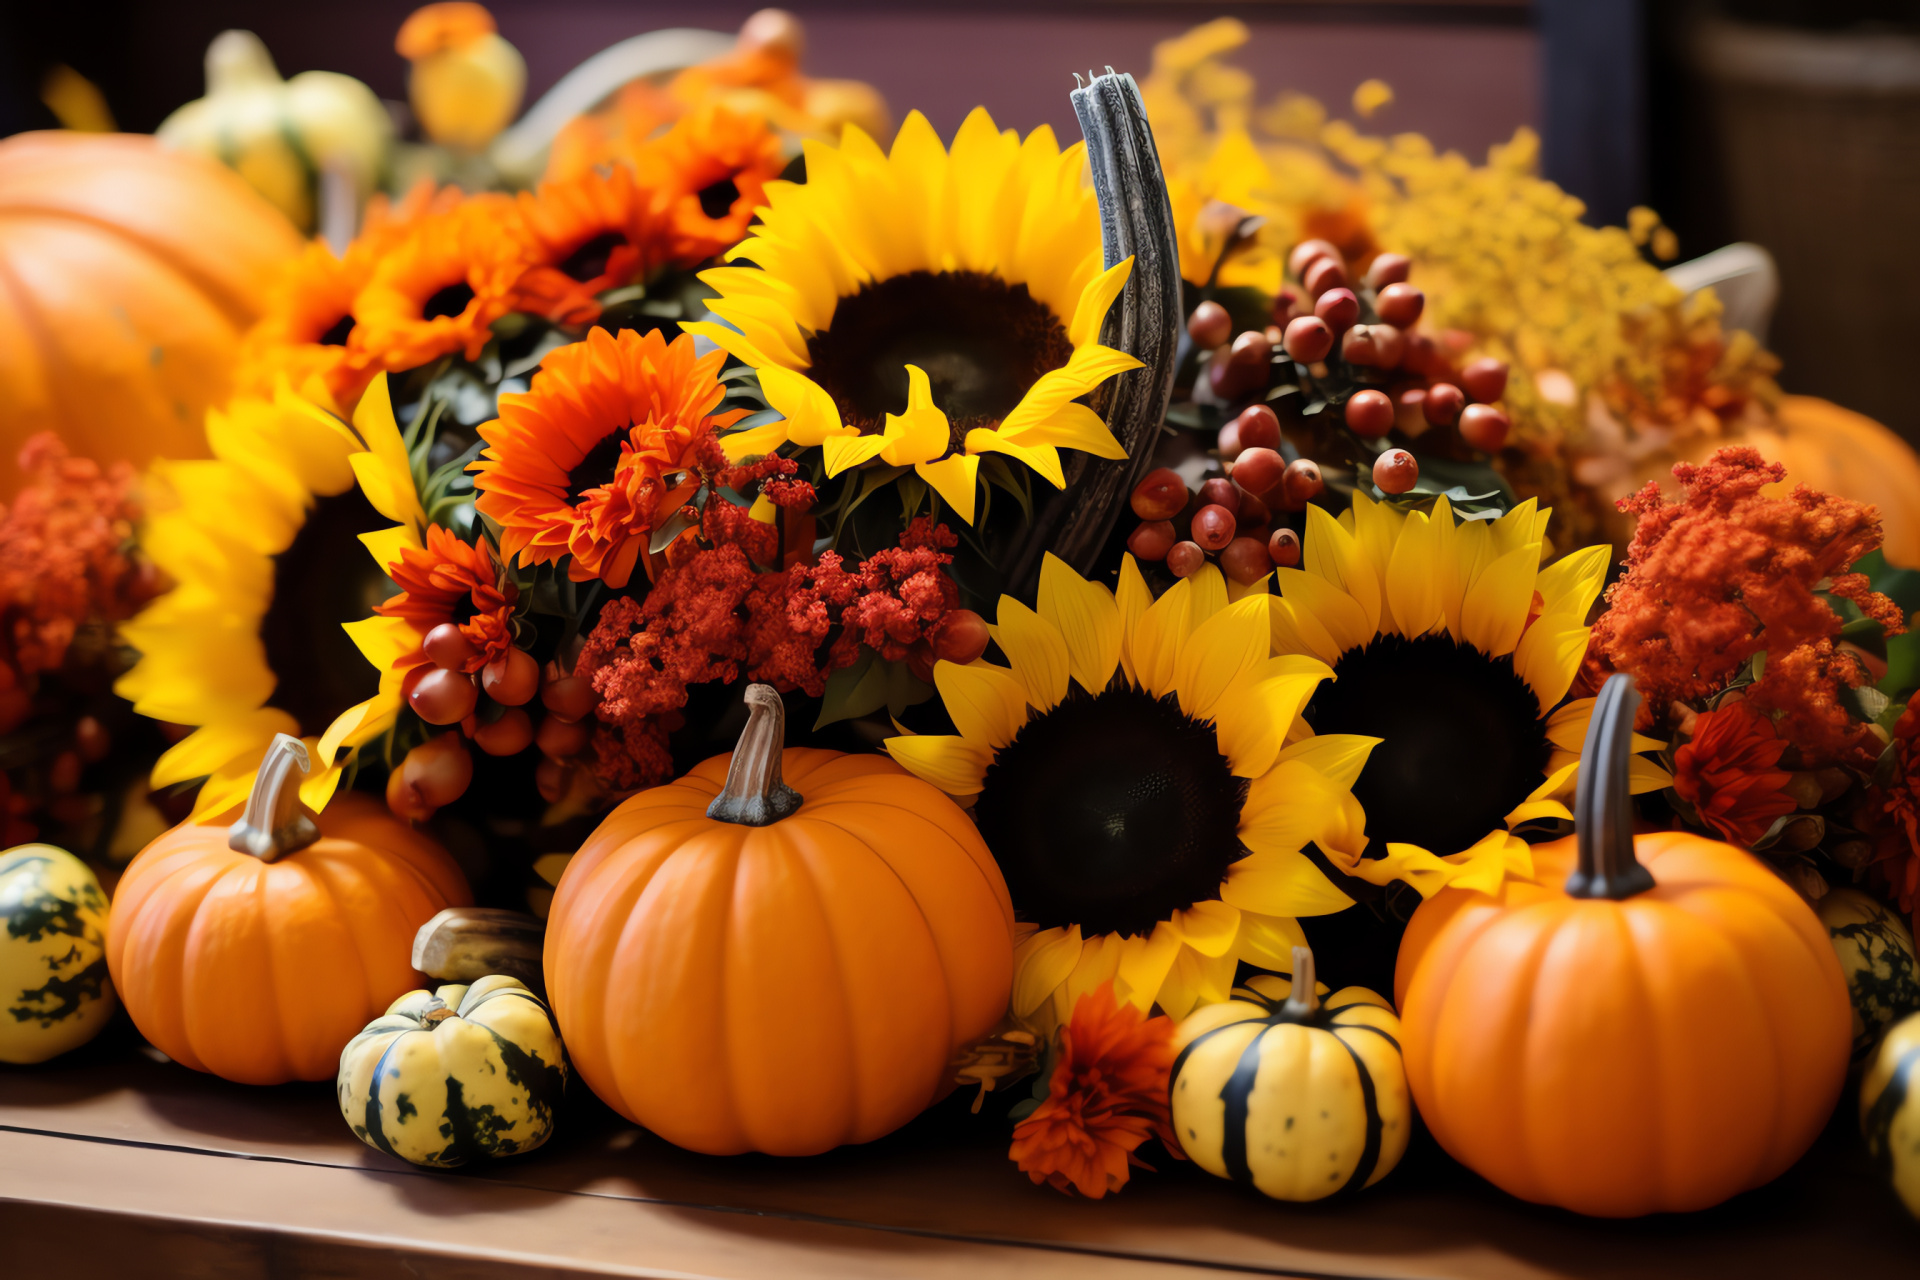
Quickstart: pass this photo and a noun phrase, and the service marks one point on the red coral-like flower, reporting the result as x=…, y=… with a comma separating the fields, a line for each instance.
x=451, y=581
x=1108, y=1094
x=1729, y=772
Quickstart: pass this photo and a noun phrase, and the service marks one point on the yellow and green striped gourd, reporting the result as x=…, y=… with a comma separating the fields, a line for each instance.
x=1890, y=1109
x=1296, y=1097
x=54, y=991
x=1876, y=954
x=457, y=1074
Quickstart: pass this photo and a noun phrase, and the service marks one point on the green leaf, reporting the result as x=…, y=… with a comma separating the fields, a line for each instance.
x=904, y=689
x=1865, y=704
x=1903, y=664
x=999, y=474
x=854, y=691
x=666, y=533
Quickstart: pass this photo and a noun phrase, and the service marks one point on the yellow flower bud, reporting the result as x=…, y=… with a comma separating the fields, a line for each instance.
x=466, y=81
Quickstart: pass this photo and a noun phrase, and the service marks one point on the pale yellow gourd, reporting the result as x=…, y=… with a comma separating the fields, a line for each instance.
x=54, y=992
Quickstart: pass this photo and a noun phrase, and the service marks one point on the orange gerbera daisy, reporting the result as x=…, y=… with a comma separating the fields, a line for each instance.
x=709, y=173
x=1729, y=771
x=444, y=284
x=1107, y=1095
x=591, y=233
x=451, y=581
x=598, y=451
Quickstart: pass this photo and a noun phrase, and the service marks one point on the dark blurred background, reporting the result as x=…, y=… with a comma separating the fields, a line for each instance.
x=1792, y=123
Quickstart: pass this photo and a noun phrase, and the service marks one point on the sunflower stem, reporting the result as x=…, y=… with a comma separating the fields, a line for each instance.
x=754, y=795
x=1603, y=800
x=1303, y=997
x=273, y=823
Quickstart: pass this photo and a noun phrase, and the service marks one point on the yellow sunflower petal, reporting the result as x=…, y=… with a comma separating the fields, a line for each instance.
x=1337, y=757
x=1088, y=619
x=1132, y=598
x=385, y=545
x=1233, y=641
x=842, y=452
x=1535, y=810
x=1331, y=552
x=950, y=763
x=1282, y=883
x=1268, y=941
x=1195, y=980
x=1041, y=458
x=1037, y=651
x=1337, y=613
x=1285, y=808
x=1144, y=962
x=922, y=433
x=1572, y=583
x=1643, y=775
x=1413, y=577
x=1040, y=964
x=1254, y=715
x=1549, y=655
x=1294, y=629
x=1208, y=926
x=955, y=479
x=811, y=415
x=1496, y=605
x=214, y=747
x=1096, y=300
x=358, y=725
x=987, y=704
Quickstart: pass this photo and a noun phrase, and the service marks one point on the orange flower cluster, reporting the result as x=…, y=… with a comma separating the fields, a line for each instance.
x=452, y=581
x=1729, y=771
x=1107, y=1095
x=1892, y=817
x=1726, y=573
x=66, y=562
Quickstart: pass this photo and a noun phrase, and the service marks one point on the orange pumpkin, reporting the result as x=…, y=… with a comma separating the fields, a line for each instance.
x=127, y=274
x=741, y=969
x=1663, y=1029
x=1842, y=452
x=255, y=953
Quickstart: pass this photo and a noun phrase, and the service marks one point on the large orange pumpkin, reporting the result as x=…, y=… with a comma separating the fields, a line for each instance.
x=1662, y=1029
x=255, y=953
x=743, y=965
x=127, y=274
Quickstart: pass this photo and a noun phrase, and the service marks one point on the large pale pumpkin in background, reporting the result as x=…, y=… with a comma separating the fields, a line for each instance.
x=1836, y=450
x=127, y=274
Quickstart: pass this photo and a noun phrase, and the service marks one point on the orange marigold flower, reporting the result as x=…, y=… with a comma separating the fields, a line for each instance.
x=591, y=233
x=452, y=581
x=435, y=28
x=587, y=462
x=1108, y=1094
x=709, y=173
x=441, y=287
x=1730, y=772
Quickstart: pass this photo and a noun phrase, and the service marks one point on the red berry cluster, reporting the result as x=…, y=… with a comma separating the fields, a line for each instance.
x=1231, y=517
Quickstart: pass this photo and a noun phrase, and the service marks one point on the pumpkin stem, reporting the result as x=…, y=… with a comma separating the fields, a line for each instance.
x=754, y=795
x=438, y=1011
x=1603, y=801
x=273, y=823
x=1303, y=999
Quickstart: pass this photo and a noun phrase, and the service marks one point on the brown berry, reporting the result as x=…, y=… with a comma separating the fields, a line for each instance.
x=404, y=800
x=1370, y=413
x=1258, y=471
x=563, y=739
x=1323, y=275
x=511, y=734
x=92, y=739
x=1302, y=483
x=1396, y=471
x=1259, y=427
x=447, y=647
x=1400, y=305
x=444, y=697
x=1423, y=356
x=1228, y=444
x=1284, y=548
x=438, y=771
x=1245, y=560
x=961, y=637
x=63, y=775
x=1309, y=339
x=1185, y=559
x=1253, y=512
x=512, y=680
x=1220, y=492
x=550, y=778
x=1307, y=252
x=1286, y=305
x=1443, y=404
x=1485, y=379
x=1484, y=427
x=920, y=661
x=1377, y=346
x=1339, y=308
x=1388, y=268
x=1213, y=527
x=569, y=697
x=1210, y=326
x=1160, y=495
x=1152, y=540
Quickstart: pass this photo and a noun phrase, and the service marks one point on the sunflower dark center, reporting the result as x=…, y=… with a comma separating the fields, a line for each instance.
x=716, y=198
x=597, y=468
x=1462, y=738
x=449, y=301
x=325, y=578
x=589, y=261
x=336, y=334
x=981, y=341
x=1110, y=813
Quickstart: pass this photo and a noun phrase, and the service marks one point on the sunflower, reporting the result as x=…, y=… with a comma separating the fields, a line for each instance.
x=596, y=454
x=587, y=234
x=980, y=269
x=262, y=543
x=1451, y=646
x=441, y=287
x=709, y=172
x=1142, y=777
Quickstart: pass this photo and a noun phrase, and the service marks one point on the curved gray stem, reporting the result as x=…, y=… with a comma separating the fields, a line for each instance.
x=755, y=795
x=1603, y=800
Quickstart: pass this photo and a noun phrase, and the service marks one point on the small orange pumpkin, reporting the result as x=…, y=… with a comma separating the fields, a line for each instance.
x=741, y=969
x=255, y=953
x=1663, y=1029
x=127, y=274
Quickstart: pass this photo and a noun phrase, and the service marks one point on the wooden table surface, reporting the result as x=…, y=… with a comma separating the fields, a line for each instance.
x=115, y=1163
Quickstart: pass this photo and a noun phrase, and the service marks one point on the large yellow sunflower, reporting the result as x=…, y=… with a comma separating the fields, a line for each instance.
x=263, y=545
x=1142, y=776
x=925, y=308
x=1452, y=646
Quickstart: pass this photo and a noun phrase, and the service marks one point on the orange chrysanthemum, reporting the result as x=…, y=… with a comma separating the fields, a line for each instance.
x=1108, y=1094
x=451, y=581
x=588, y=234
x=1730, y=772
x=709, y=173
x=444, y=284
x=435, y=28
x=586, y=462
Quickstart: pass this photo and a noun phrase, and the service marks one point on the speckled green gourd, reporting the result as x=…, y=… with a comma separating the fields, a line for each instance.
x=458, y=1074
x=1294, y=1097
x=1890, y=1109
x=1877, y=954
x=54, y=991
